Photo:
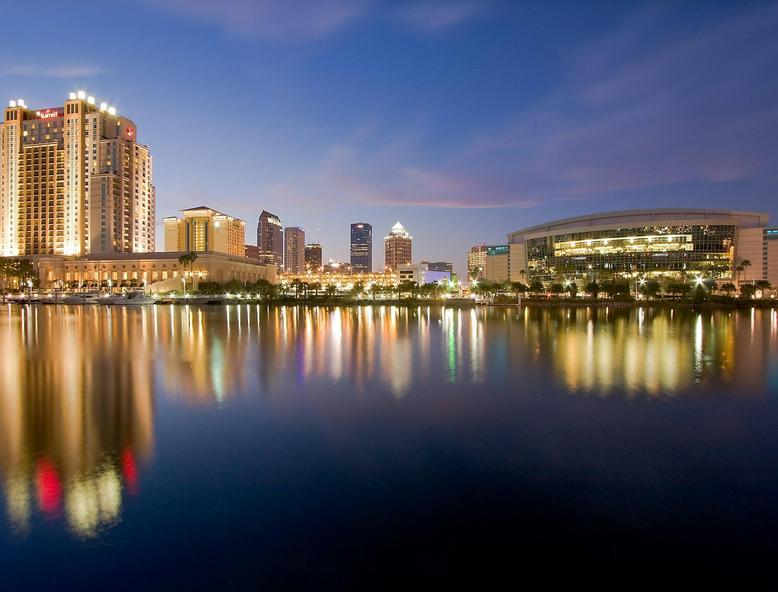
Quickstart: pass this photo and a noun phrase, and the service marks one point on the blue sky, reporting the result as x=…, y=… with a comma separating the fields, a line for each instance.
x=464, y=120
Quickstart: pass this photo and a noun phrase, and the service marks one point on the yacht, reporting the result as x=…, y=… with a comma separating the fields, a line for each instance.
x=129, y=299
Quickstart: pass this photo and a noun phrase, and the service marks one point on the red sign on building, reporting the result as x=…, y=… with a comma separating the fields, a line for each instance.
x=50, y=113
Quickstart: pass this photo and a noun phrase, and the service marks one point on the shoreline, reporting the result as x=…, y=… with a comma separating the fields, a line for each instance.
x=462, y=303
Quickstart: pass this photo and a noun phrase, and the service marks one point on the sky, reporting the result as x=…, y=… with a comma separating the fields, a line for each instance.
x=464, y=120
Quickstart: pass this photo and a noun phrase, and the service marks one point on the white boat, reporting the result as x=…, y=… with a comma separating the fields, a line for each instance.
x=129, y=299
x=83, y=298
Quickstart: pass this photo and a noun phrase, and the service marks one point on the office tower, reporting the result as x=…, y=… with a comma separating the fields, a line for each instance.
x=270, y=239
x=252, y=252
x=73, y=180
x=361, y=247
x=398, y=248
x=313, y=257
x=205, y=229
x=476, y=262
x=294, y=249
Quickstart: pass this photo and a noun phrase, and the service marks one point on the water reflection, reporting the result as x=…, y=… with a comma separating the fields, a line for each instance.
x=77, y=405
x=654, y=351
x=76, y=414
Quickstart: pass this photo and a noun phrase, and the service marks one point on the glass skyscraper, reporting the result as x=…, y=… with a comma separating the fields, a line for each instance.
x=361, y=247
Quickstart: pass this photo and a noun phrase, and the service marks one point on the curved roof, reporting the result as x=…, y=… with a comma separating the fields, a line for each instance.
x=623, y=218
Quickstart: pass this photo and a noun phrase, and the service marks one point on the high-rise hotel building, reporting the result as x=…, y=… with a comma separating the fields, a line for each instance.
x=73, y=181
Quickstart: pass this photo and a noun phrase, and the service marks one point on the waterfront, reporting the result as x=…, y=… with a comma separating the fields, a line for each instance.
x=206, y=446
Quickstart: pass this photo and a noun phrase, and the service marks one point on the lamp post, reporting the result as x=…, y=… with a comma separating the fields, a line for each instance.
x=183, y=281
x=638, y=283
x=29, y=289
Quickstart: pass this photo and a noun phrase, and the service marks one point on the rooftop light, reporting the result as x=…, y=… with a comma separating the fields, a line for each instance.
x=90, y=100
x=111, y=110
x=103, y=106
x=72, y=96
x=12, y=103
x=81, y=95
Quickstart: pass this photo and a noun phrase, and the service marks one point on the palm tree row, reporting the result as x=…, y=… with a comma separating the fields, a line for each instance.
x=614, y=288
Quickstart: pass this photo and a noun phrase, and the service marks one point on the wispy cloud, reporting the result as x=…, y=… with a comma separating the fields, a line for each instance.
x=633, y=115
x=37, y=71
x=437, y=15
x=371, y=166
x=271, y=20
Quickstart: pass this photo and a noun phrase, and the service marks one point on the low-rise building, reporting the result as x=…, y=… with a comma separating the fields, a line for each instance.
x=671, y=244
x=146, y=269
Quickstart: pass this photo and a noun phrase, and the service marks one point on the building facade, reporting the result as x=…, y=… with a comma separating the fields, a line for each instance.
x=669, y=243
x=476, y=262
x=294, y=249
x=441, y=266
x=146, y=269
x=205, y=229
x=497, y=264
x=270, y=239
x=771, y=256
x=362, y=247
x=74, y=180
x=252, y=252
x=398, y=248
x=313, y=260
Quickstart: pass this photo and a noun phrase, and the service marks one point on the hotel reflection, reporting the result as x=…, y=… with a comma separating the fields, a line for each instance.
x=76, y=415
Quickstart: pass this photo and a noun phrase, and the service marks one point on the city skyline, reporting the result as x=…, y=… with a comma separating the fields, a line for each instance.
x=531, y=113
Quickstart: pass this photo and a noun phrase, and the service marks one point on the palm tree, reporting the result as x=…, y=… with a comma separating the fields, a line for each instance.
x=22, y=270
x=744, y=265
x=357, y=289
x=187, y=260
x=6, y=271
x=762, y=285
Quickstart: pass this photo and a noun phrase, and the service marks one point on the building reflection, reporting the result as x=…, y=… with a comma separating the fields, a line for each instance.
x=654, y=351
x=76, y=414
x=208, y=354
x=77, y=403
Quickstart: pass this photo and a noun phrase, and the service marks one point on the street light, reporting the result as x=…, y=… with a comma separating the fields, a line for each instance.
x=641, y=282
x=183, y=281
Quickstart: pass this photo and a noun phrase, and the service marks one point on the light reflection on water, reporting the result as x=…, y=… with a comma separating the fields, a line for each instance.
x=77, y=409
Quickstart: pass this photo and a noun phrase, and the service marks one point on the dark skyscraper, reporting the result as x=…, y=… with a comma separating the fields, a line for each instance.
x=313, y=257
x=361, y=247
x=270, y=239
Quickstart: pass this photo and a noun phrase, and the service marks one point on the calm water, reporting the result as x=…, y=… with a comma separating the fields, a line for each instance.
x=245, y=446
